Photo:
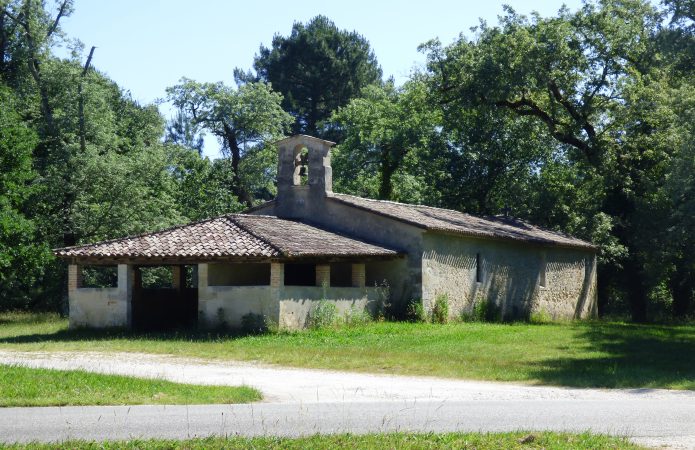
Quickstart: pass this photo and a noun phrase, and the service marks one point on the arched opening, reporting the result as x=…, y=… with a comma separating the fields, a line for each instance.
x=301, y=166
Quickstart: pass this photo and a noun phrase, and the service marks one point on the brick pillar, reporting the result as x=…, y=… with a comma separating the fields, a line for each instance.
x=277, y=275
x=74, y=277
x=358, y=275
x=323, y=275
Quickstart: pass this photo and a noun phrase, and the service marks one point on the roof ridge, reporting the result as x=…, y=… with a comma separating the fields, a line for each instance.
x=418, y=205
x=234, y=219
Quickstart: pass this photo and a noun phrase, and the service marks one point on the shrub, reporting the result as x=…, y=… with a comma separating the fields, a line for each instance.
x=416, y=311
x=383, y=292
x=252, y=323
x=440, y=310
x=483, y=311
x=323, y=315
x=356, y=316
x=540, y=317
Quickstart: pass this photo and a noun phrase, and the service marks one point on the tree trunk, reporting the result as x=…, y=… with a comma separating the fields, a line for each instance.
x=80, y=99
x=237, y=189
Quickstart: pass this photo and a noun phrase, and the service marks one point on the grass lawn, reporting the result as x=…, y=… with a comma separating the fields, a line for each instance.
x=21, y=386
x=477, y=441
x=595, y=354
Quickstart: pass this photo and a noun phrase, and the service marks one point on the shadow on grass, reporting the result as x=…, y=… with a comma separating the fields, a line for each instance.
x=189, y=335
x=627, y=356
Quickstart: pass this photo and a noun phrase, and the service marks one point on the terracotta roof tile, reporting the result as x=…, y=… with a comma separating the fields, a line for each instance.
x=234, y=235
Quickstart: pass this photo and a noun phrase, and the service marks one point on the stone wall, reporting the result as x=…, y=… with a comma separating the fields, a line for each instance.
x=510, y=276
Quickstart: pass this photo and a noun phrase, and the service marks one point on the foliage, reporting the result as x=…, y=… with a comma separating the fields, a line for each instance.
x=593, y=86
x=21, y=257
x=323, y=314
x=389, y=134
x=416, y=311
x=245, y=120
x=317, y=68
x=483, y=311
x=440, y=309
x=23, y=386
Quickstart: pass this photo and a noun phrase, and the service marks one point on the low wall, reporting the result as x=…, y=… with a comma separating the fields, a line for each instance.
x=226, y=305
x=297, y=302
x=97, y=308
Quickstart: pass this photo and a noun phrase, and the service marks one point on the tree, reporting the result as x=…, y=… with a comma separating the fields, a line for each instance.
x=388, y=132
x=317, y=68
x=593, y=79
x=181, y=131
x=243, y=119
x=21, y=256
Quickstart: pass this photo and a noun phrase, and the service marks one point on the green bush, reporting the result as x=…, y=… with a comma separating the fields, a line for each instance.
x=540, y=317
x=323, y=315
x=483, y=311
x=416, y=311
x=440, y=310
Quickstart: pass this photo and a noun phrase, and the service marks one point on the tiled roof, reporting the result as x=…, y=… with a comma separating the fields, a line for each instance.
x=447, y=220
x=233, y=235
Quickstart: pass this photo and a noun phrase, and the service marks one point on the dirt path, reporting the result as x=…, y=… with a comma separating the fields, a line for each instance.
x=294, y=385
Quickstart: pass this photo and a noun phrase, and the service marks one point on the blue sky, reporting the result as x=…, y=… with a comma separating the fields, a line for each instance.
x=147, y=45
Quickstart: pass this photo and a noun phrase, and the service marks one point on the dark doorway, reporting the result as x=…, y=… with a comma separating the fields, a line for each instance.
x=162, y=305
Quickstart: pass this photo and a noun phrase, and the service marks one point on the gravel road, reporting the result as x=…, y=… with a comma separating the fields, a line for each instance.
x=305, y=401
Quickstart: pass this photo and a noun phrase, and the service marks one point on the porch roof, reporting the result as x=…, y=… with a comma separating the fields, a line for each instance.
x=229, y=237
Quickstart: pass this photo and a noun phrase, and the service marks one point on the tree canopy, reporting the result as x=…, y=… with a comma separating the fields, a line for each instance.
x=317, y=68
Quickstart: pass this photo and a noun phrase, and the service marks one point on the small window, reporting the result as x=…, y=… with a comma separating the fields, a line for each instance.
x=543, y=268
x=478, y=269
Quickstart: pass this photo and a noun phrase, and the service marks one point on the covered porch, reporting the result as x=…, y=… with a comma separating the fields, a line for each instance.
x=216, y=272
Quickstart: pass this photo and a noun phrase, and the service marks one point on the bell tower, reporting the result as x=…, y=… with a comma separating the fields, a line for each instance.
x=305, y=176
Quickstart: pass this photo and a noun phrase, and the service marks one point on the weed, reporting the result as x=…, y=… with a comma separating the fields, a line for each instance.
x=323, y=315
x=416, y=311
x=440, y=310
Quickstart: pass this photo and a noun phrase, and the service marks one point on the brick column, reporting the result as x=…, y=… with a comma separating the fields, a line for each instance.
x=277, y=275
x=358, y=275
x=74, y=277
x=323, y=275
